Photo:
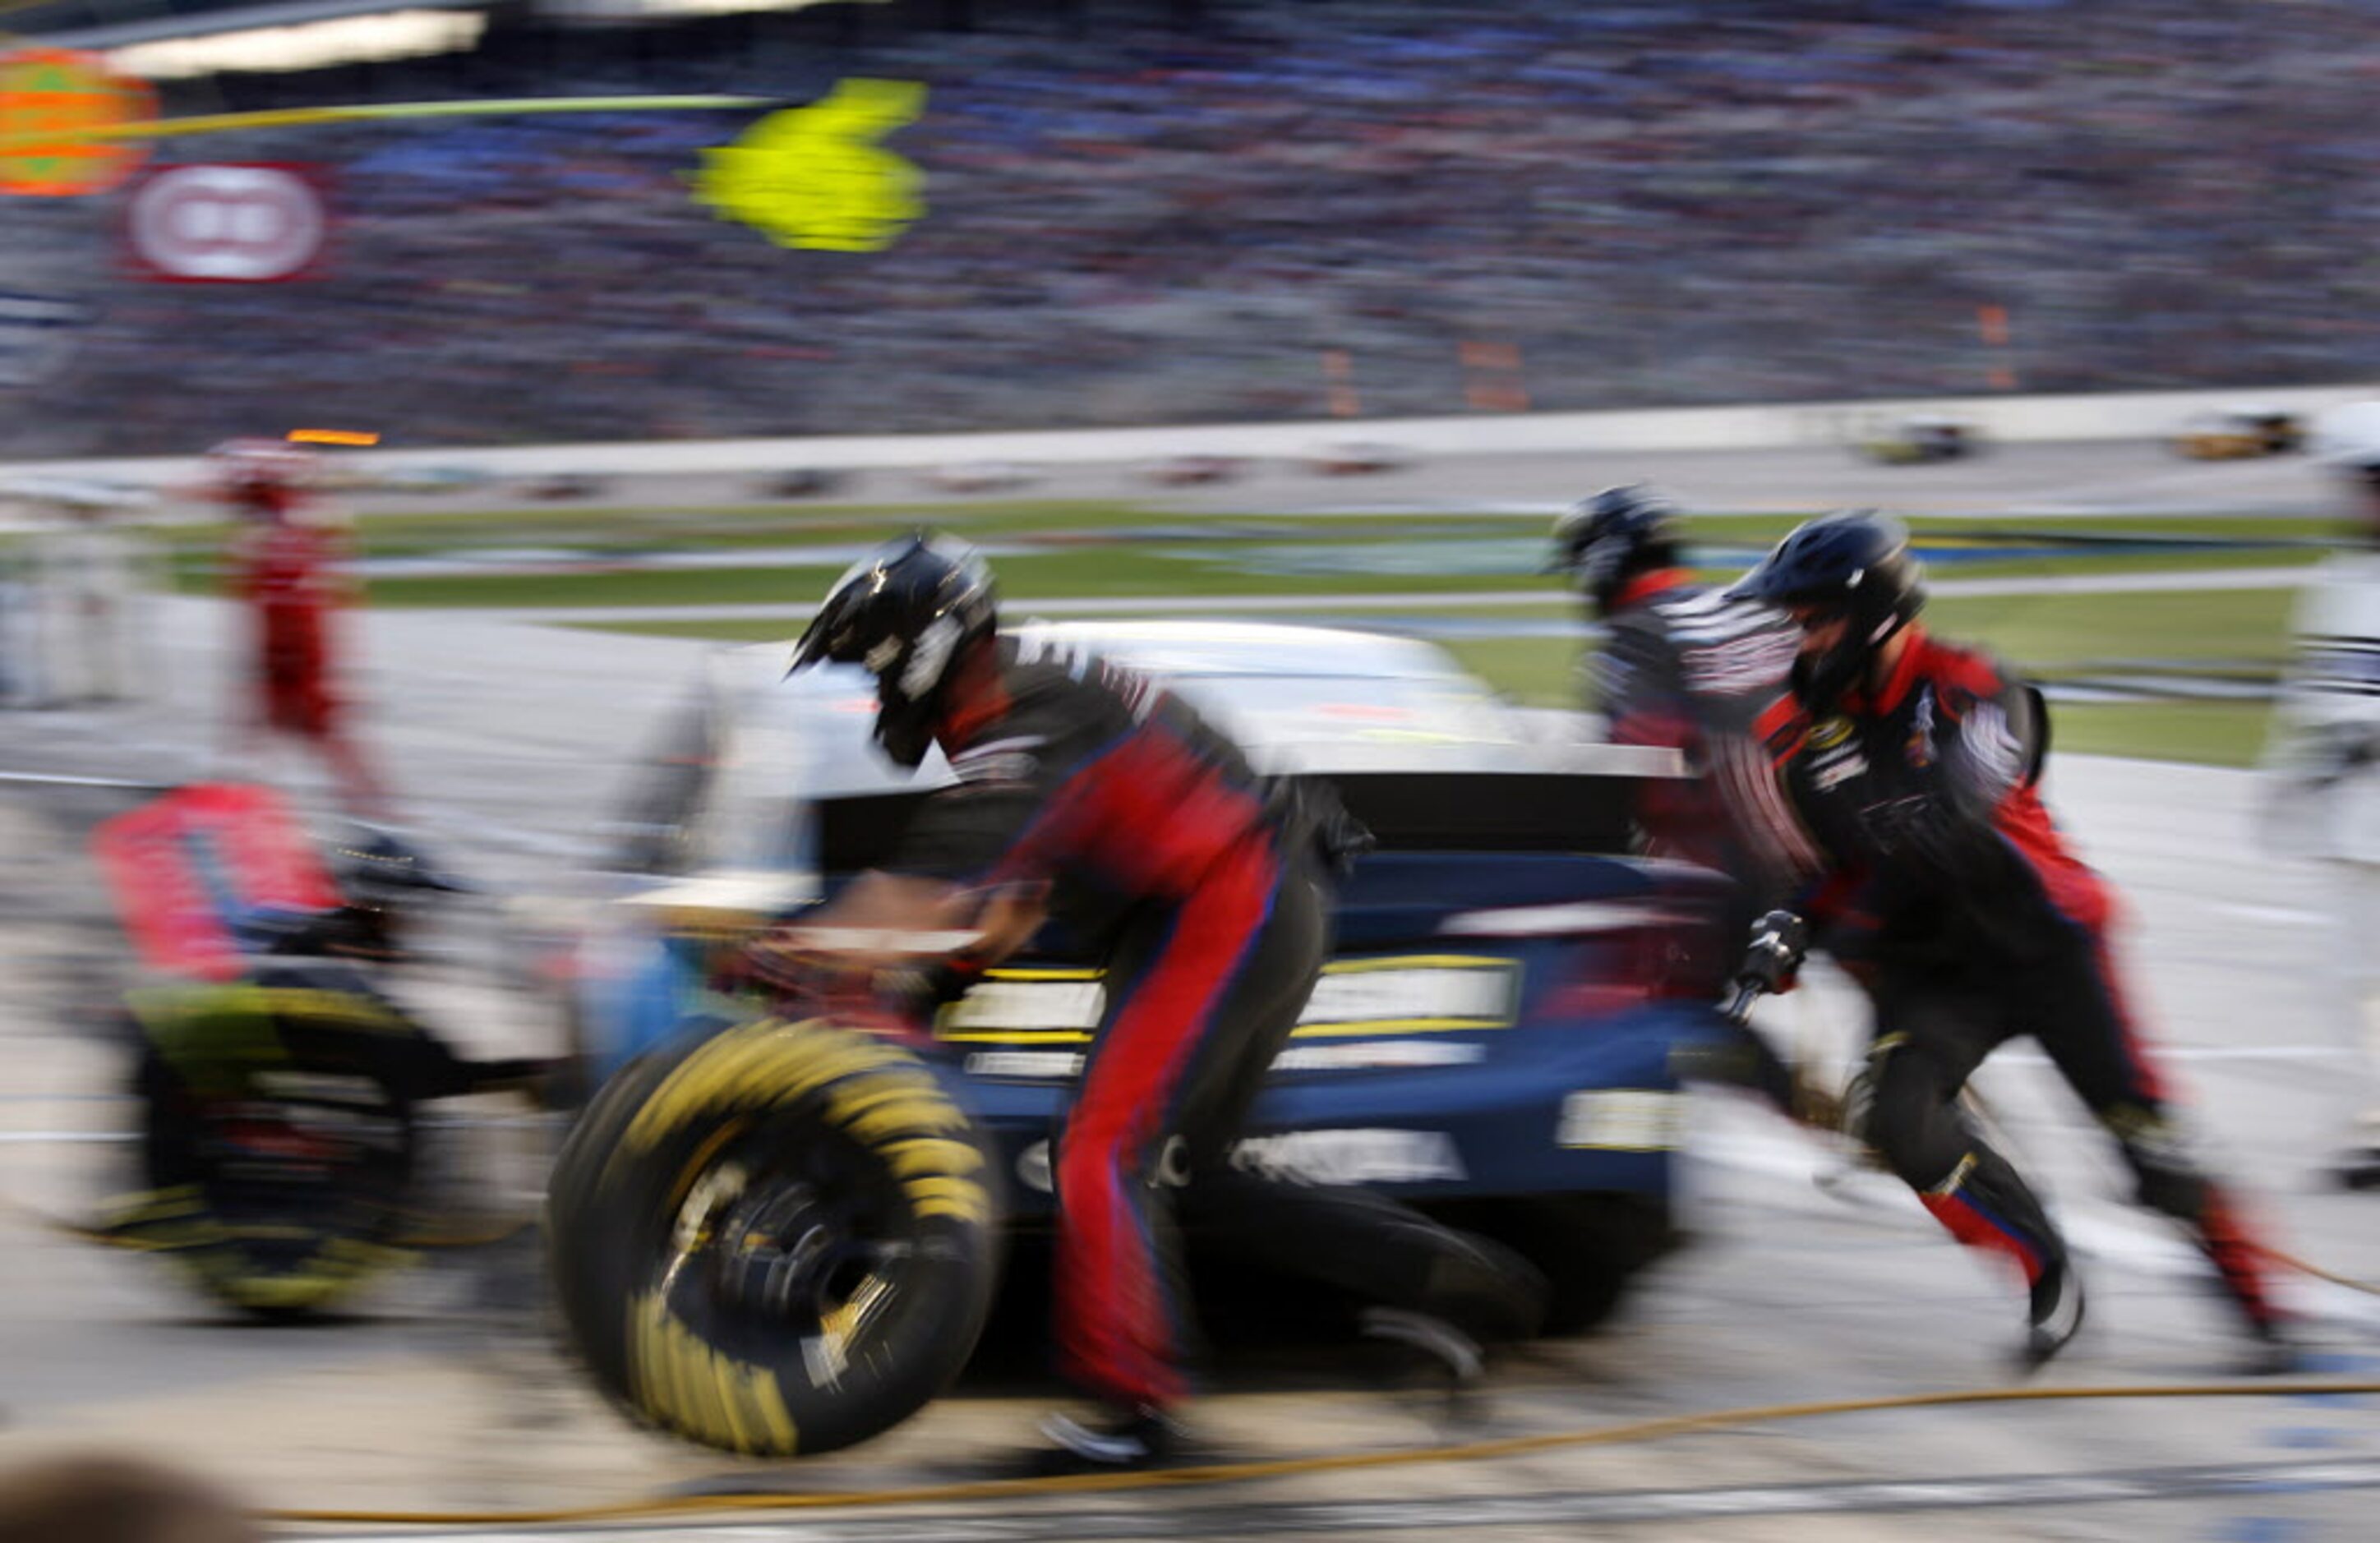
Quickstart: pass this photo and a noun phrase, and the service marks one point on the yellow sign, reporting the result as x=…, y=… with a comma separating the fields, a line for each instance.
x=51, y=100
x=815, y=177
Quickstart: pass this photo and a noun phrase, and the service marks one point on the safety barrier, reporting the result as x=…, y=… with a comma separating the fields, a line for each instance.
x=2001, y=417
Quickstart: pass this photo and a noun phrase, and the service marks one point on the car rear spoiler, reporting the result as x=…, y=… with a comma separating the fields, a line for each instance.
x=1530, y=810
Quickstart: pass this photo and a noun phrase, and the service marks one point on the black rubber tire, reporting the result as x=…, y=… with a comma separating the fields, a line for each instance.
x=866, y=1204
x=1590, y=1247
x=276, y=1238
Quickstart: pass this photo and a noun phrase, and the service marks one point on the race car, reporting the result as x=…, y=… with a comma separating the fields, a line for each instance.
x=1360, y=458
x=980, y=477
x=565, y=486
x=1922, y=438
x=2240, y=433
x=1493, y=1040
x=806, y=481
x=1191, y=471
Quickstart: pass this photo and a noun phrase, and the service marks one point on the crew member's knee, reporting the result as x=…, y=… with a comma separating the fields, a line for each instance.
x=1910, y=1120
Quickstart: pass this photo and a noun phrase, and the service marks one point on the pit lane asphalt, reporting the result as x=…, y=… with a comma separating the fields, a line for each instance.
x=439, y=1391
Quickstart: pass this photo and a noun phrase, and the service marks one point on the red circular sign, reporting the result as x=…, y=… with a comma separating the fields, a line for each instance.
x=227, y=224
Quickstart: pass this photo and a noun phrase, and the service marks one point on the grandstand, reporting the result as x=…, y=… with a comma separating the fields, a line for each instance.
x=1150, y=212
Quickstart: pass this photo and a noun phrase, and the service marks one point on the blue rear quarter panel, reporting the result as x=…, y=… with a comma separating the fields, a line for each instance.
x=1565, y=1088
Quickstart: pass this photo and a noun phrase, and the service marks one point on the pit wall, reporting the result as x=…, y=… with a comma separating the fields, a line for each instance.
x=2151, y=415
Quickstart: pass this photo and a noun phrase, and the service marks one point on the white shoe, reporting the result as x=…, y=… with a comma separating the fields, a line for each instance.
x=2056, y=1315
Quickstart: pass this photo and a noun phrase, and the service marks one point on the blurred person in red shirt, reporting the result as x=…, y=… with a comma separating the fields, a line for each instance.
x=285, y=568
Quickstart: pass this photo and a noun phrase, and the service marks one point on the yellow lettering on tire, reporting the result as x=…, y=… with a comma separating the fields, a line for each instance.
x=930, y=1155
x=681, y=1380
x=961, y=1199
x=761, y=1064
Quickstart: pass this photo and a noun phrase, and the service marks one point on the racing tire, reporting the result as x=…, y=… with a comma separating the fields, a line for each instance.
x=280, y=1168
x=1590, y=1249
x=779, y=1240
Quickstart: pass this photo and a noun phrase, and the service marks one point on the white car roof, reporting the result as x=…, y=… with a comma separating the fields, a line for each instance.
x=1253, y=649
x=1296, y=698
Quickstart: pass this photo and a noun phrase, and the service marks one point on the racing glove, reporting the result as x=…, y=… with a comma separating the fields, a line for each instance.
x=784, y=972
x=1773, y=958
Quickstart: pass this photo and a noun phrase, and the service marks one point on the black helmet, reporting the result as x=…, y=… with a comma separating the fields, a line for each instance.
x=381, y=877
x=373, y=867
x=908, y=614
x=1854, y=564
x=1604, y=540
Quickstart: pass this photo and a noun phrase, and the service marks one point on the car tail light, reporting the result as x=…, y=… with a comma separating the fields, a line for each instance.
x=1615, y=971
x=1616, y=956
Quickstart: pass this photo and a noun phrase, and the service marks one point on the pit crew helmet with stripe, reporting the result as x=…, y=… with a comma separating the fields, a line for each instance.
x=1605, y=541
x=909, y=613
x=1854, y=564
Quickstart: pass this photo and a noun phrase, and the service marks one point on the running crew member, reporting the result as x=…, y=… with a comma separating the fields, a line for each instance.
x=1953, y=898
x=1687, y=668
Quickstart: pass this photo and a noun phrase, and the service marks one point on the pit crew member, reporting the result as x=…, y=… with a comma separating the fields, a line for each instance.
x=1913, y=763
x=2322, y=763
x=1688, y=668
x=1089, y=789
x=284, y=569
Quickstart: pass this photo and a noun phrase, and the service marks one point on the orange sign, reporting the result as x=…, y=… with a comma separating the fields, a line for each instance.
x=60, y=93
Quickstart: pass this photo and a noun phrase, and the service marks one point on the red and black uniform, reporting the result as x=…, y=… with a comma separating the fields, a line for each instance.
x=1689, y=669
x=285, y=572
x=1094, y=782
x=1953, y=898
x=288, y=572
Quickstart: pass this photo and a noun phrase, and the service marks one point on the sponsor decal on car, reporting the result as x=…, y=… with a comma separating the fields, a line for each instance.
x=1341, y=1157
x=1425, y=993
x=1350, y=1055
x=1369, y=1054
x=1318, y=1156
x=1027, y=1065
x=1623, y=1120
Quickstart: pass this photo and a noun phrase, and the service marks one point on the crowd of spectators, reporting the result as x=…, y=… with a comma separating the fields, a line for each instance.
x=1657, y=204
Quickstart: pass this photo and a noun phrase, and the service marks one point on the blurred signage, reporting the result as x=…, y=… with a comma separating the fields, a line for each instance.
x=349, y=39
x=36, y=334
x=226, y=224
x=50, y=101
x=632, y=11
x=815, y=176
